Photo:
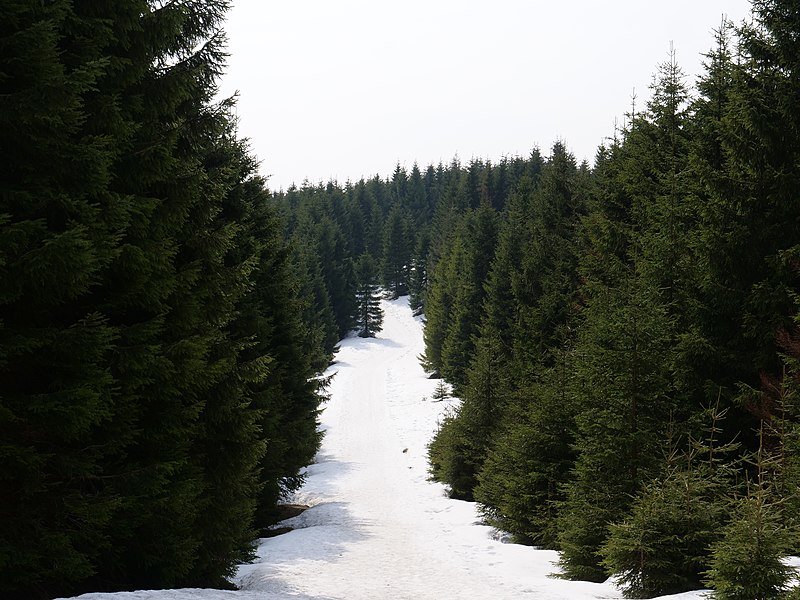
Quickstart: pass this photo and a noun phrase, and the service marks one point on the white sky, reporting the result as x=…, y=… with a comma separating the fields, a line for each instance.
x=340, y=89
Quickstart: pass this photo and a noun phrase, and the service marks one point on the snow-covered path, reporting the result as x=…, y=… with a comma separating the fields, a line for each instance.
x=377, y=528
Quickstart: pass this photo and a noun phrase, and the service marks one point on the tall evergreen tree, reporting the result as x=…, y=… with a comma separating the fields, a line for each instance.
x=59, y=235
x=418, y=278
x=418, y=202
x=531, y=299
x=132, y=232
x=396, y=257
x=369, y=316
x=749, y=161
x=475, y=244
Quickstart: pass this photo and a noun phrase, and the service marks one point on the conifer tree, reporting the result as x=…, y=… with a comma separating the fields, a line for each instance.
x=58, y=235
x=289, y=396
x=474, y=251
x=164, y=289
x=418, y=278
x=129, y=359
x=662, y=545
x=500, y=304
x=619, y=412
x=749, y=160
x=369, y=317
x=530, y=298
x=446, y=454
x=397, y=249
x=459, y=448
x=317, y=311
x=337, y=271
x=748, y=559
x=145, y=200
x=628, y=356
x=439, y=300
x=230, y=443
x=419, y=206
x=545, y=284
x=521, y=482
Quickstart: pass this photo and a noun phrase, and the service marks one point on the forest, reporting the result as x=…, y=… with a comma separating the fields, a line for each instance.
x=624, y=336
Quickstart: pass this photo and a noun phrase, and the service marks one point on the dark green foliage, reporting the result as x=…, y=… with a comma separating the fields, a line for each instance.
x=159, y=338
x=287, y=397
x=321, y=224
x=459, y=448
x=544, y=282
x=369, y=315
x=618, y=301
x=748, y=558
x=447, y=455
x=747, y=562
x=472, y=253
x=530, y=303
x=418, y=278
x=438, y=306
x=150, y=333
x=622, y=405
x=751, y=214
x=520, y=484
x=396, y=262
x=337, y=272
x=418, y=200
x=58, y=233
x=318, y=317
x=661, y=547
x=579, y=313
x=630, y=356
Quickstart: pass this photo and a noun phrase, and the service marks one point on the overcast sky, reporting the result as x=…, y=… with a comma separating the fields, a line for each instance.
x=340, y=89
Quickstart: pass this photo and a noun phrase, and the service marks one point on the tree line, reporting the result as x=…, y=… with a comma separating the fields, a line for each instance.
x=627, y=349
x=158, y=389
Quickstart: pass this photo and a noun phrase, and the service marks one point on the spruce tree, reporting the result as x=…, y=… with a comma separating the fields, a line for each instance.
x=396, y=261
x=749, y=161
x=438, y=304
x=418, y=204
x=289, y=396
x=59, y=232
x=337, y=271
x=459, y=448
x=369, y=315
x=474, y=250
x=635, y=335
x=662, y=546
x=748, y=561
x=164, y=289
x=521, y=482
x=323, y=333
x=130, y=365
x=621, y=405
x=418, y=278
x=530, y=299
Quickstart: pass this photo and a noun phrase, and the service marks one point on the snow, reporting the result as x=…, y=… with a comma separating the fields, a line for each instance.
x=377, y=527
